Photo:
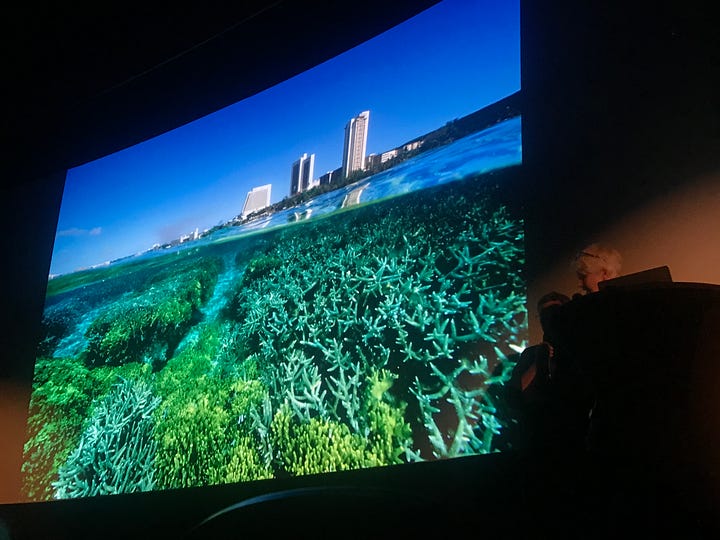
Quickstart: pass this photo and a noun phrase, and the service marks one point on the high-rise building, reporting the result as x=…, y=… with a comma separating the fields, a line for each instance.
x=301, y=177
x=355, y=146
x=256, y=199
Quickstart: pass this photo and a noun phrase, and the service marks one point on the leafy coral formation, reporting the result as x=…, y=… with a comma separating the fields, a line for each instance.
x=148, y=326
x=116, y=452
x=203, y=432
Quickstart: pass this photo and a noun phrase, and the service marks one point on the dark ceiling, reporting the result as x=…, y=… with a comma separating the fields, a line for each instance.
x=81, y=80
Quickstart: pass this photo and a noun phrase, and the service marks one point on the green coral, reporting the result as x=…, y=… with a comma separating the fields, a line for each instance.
x=116, y=451
x=192, y=440
x=298, y=440
x=204, y=421
x=149, y=325
x=323, y=445
x=246, y=463
x=201, y=437
x=316, y=446
x=105, y=377
x=260, y=265
x=64, y=391
x=62, y=394
x=389, y=434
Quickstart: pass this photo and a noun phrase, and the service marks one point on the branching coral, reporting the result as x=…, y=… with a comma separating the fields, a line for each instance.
x=474, y=414
x=299, y=380
x=63, y=394
x=192, y=440
x=418, y=288
x=246, y=463
x=116, y=452
x=345, y=387
x=325, y=445
x=316, y=446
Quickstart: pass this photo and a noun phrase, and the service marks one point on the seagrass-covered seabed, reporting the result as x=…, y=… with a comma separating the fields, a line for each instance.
x=367, y=338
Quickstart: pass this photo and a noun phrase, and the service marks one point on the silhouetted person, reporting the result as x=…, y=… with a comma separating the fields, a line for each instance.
x=551, y=394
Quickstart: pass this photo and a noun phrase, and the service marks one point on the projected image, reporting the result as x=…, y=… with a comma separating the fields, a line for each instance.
x=323, y=277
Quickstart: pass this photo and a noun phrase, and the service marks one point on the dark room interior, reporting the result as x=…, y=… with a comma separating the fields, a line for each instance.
x=620, y=144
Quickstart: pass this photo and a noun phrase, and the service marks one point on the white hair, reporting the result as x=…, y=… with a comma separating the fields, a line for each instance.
x=596, y=257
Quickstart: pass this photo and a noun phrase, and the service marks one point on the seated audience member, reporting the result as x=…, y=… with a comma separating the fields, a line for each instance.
x=550, y=394
x=596, y=263
x=540, y=358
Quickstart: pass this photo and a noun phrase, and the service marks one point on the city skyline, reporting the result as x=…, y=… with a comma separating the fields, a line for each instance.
x=456, y=57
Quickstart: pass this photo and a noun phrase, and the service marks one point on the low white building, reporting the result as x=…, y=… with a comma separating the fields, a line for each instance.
x=257, y=199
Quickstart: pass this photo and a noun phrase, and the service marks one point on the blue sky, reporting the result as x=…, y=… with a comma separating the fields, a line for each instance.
x=446, y=62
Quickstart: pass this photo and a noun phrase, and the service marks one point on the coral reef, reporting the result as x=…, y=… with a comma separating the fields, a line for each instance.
x=295, y=443
x=371, y=337
x=315, y=446
x=115, y=453
x=148, y=326
x=245, y=463
x=63, y=395
x=427, y=291
x=203, y=432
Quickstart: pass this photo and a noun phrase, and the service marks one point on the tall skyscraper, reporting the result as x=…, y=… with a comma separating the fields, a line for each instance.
x=256, y=199
x=356, y=132
x=301, y=177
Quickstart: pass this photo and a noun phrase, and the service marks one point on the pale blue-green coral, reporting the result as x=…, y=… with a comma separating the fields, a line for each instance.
x=426, y=290
x=63, y=394
x=116, y=451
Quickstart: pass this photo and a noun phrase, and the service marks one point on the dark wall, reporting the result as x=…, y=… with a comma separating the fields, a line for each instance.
x=622, y=103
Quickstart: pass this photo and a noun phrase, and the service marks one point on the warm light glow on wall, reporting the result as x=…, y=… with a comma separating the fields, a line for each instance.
x=679, y=228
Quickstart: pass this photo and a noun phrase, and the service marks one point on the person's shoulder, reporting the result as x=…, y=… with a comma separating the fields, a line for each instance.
x=525, y=356
x=531, y=351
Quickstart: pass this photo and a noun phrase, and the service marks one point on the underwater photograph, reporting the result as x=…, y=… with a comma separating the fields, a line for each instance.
x=364, y=317
x=366, y=338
